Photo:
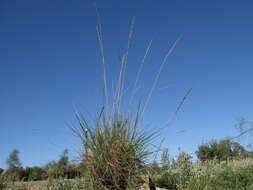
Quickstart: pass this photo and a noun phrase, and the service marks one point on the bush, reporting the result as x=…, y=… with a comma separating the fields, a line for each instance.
x=35, y=174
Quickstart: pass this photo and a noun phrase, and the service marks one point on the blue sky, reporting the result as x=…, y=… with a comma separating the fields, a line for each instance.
x=50, y=63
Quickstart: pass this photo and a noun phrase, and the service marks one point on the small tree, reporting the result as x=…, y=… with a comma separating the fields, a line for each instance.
x=61, y=168
x=51, y=170
x=14, y=169
x=64, y=159
x=13, y=161
x=245, y=128
x=62, y=164
x=165, y=160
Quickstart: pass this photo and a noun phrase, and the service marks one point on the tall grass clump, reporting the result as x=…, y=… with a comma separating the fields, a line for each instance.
x=115, y=151
x=116, y=145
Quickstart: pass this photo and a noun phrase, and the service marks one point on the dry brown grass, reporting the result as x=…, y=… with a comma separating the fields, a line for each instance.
x=43, y=185
x=32, y=185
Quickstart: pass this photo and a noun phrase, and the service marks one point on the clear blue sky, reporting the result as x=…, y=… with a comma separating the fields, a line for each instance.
x=50, y=61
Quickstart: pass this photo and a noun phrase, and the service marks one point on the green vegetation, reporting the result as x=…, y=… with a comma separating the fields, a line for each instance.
x=61, y=169
x=229, y=168
x=210, y=175
x=52, y=170
x=222, y=150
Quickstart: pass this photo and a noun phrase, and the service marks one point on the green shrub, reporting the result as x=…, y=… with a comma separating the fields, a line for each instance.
x=35, y=174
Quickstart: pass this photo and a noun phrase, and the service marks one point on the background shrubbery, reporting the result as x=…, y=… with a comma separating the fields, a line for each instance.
x=213, y=175
x=52, y=170
x=222, y=150
x=221, y=165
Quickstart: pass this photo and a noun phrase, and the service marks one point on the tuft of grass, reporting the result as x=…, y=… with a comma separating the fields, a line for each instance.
x=115, y=151
x=115, y=144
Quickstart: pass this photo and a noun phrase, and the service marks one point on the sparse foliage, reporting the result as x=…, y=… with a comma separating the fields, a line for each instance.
x=165, y=161
x=245, y=129
x=64, y=159
x=13, y=161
